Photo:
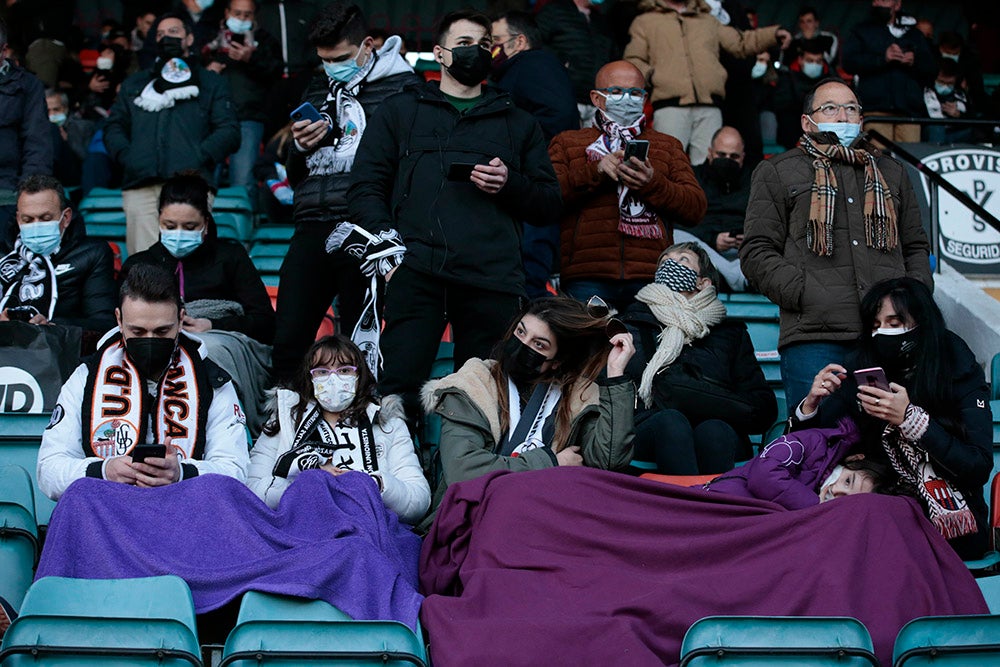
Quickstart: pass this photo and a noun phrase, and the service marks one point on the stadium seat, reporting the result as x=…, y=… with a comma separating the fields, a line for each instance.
x=20, y=437
x=990, y=586
x=992, y=558
x=105, y=225
x=759, y=641
x=280, y=630
x=271, y=233
x=237, y=226
x=143, y=621
x=102, y=199
x=948, y=641
x=753, y=311
x=995, y=379
x=279, y=249
x=232, y=200
x=18, y=534
x=444, y=364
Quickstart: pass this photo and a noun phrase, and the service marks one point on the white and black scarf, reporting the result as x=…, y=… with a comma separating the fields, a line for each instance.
x=174, y=79
x=27, y=279
x=316, y=444
x=524, y=437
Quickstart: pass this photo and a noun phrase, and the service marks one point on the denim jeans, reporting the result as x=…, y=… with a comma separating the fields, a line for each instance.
x=242, y=161
x=801, y=362
x=619, y=294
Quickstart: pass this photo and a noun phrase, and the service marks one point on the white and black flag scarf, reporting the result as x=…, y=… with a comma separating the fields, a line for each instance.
x=27, y=279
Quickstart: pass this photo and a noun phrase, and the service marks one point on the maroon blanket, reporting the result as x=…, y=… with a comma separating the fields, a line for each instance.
x=582, y=566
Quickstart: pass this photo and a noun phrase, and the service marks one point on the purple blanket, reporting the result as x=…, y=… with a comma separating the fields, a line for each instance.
x=331, y=538
x=583, y=566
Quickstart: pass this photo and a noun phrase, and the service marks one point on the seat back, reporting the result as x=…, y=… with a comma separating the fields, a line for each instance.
x=948, y=641
x=758, y=641
x=20, y=438
x=18, y=534
x=990, y=587
x=257, y=606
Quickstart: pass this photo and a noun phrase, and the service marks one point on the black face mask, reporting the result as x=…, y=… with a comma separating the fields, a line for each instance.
x=881, y=14
x=469, y=64
x=725, y=169
x=150, y=356
x=170, y=47
x=896, y=353
x=522, y=364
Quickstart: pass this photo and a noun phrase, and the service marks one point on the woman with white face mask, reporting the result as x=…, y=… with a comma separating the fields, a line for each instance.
x=329, y=419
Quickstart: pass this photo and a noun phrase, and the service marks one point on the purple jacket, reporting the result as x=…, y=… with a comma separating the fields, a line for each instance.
x=789, y=470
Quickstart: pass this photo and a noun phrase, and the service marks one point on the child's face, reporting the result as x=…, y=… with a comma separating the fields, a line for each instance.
x=849, y=483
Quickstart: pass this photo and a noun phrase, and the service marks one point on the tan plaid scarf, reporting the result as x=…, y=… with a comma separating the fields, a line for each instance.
x=881, y=232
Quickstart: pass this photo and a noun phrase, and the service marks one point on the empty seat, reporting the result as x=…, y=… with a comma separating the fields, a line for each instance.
x=234, y=225
x=948, y=641
x=280, y=630
x=18, y=534
x=273, y=232
x=990, y=586
x=269, y=250
x=140, y=621
x=232, y=199
x=20, y=438
x=759, y=641
x=102, y=199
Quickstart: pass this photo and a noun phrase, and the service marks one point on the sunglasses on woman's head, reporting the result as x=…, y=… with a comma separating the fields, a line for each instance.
x=598, y=308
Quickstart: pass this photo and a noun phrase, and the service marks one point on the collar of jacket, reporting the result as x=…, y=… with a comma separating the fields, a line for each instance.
x=493, y=100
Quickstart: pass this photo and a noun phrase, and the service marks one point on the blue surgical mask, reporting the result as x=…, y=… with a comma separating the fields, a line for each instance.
x=181, y=242
x=41, y=238
x=237, y=25
x=343, y=71
x=204, y=4
x=759, y=70
x=939, y=88
x=57, y=118
x=846, y=132
x=950, y=56
x=624, y=111
x=812, y=70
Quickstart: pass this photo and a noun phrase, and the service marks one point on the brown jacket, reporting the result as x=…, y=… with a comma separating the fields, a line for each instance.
x=820, y=297
x=679, y=53
x=592, y=246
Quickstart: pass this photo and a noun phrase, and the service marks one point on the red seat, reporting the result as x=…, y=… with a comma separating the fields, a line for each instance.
x=326, y=328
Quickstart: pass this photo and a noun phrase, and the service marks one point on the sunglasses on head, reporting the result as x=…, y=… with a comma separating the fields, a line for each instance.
x=598, y=308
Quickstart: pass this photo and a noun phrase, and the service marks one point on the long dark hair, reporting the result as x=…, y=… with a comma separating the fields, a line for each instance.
x=582, y=351
x=930, y=384
x=328, y=350
x=191, y=188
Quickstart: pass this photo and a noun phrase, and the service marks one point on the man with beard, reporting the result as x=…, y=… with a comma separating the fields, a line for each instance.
x=173, y=117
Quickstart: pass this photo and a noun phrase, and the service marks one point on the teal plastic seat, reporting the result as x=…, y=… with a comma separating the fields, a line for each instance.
x=762, y=641
x=20, y=438
x=995, y=378
x=102, y=199
x=274, y=233
x=19, y=548
x=234, y=225
x=268, y=264
x=144, y=621
x=753, y=310
x=269, y=250
x=990, y=586
x=281, y=630
x=948, y=641
x=232, y=200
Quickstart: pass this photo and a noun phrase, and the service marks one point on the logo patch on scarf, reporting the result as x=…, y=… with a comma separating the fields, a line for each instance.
x=114, y=438
x=9, y=268
x=176, y=71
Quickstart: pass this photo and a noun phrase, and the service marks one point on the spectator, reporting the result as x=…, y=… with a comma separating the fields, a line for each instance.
x=892, y=62
x=698, y=377
x=619, y=214
x=55, y=269
x=932, y=423
x=143, y=22
x=540, y=403
x=102, y=411
x=226, y=303
x=726, y=182
x=578, y=33
x=826, y=220
x=114, y=65
x=809, y=30
x=71, y=136
x=203, y=15
x=357, y=80
x=454, y=270
x=331, y=420
x=946, y=99
x=926, y=28
x=170, y=118
x=25, y=139
x=763, y=78
x=675, y=44
x=537, y=83
x=289, y=21
x=970, y=69
x=270, y=170
x=794, y=83
x=249, y=59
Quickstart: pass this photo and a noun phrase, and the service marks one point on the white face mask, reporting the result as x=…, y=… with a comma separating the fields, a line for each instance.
x=335, y=393
x=891, y=331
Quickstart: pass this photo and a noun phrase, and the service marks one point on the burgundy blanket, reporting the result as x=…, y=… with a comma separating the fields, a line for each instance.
x=331, y=538
x=583, y=566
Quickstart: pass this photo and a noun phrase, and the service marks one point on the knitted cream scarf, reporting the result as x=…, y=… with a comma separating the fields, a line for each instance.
x=684, y=319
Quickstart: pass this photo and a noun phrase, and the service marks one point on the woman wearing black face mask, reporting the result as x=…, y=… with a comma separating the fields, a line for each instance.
x=933, y=424
x=539, y=404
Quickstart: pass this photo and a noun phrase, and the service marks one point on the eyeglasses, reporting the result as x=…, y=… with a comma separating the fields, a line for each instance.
x=619, y=93
x=829, y=110
x=598, y=308
x=321, y=373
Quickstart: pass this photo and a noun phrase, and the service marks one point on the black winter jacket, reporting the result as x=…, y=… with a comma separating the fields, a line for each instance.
x=727, y=204
x=884, y=86
x=583, y=45
x=220, y=269
x=723, y=362
x=249, y=82
x=323, y=197
x=538, y=83
x=960, y=443
x=25, y=141
x=196, y=133
x=452, y=229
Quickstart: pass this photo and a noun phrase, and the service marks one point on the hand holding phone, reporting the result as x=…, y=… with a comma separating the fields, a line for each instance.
x=306, y=111
x=142, y=452
x=21, y=313
x=872, y=377
x=460, y=171
x=637, y=148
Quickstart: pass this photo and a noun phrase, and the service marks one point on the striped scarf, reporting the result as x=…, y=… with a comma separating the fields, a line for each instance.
x=881, y=232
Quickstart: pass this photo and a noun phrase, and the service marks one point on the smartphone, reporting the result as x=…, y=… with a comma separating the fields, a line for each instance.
x=639, y=149
x=142, y=452
x=306, y=111
x=733, y=235
x=21, y=313
x=238, y=37
x=460, y=171
x=872, y=377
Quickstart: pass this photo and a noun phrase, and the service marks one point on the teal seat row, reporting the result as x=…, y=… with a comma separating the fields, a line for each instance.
x=20, y=438
x=19, y=549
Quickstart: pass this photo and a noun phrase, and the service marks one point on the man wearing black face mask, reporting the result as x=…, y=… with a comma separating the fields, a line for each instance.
x=461, y=225
x=149, y=383
x=173, y=117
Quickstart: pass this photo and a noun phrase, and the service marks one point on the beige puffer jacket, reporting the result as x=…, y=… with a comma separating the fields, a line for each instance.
x=679, y=53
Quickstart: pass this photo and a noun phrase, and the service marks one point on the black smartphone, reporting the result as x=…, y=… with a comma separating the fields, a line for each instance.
x=733, y=235
x=872, y=377
x=238, y=37
x=638, y=148
x=142, y=452
x=460, y=171
x=21, y=313
x=306, y=111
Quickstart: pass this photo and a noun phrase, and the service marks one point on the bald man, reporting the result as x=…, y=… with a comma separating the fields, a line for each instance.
x=618, y=213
